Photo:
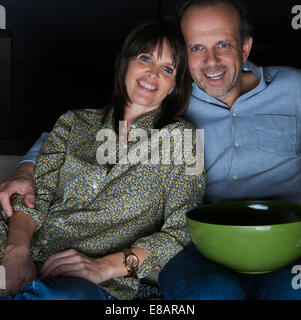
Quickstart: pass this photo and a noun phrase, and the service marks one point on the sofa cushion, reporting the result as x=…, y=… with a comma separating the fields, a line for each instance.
x=8, y=165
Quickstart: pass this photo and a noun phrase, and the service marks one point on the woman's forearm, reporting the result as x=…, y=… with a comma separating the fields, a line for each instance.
x=97, y=270
x=20, y=231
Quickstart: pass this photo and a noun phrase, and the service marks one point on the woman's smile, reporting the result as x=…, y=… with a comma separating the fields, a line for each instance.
x=146, y=85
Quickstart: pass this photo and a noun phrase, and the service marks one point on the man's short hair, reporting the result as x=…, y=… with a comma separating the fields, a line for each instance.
x=246, y=27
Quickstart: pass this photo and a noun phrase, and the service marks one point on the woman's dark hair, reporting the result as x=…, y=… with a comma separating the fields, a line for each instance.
x=246, y=27
x=144, y=39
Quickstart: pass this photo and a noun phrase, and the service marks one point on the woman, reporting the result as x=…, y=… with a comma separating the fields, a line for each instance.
x=97, y=229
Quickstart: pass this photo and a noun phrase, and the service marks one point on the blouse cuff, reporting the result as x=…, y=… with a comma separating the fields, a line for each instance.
x=19, y=205
x=156, y=261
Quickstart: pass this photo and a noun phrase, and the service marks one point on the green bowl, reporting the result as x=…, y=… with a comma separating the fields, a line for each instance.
x=248, y=236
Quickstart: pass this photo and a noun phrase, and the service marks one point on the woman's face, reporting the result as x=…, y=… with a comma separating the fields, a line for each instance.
x=150, y=78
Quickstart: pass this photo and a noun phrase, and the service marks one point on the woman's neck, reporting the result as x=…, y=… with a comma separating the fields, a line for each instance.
x=131, y=114
x=134, y=112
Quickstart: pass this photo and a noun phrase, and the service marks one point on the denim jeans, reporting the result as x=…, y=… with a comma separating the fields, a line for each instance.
x=61, y=288
x=190, y=276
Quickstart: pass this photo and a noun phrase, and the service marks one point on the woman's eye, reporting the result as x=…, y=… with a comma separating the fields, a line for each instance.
x=168, y=70
x=196, y=48
x=144, y=58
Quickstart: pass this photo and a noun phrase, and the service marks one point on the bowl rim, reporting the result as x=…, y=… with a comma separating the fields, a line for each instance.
x=245, y=202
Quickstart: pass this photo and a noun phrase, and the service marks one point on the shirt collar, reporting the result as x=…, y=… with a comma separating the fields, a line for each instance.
x=145, y=122
x=247, y=66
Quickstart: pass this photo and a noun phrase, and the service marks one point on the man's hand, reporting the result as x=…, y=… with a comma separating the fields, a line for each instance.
x=21, y=181
x=19, y=269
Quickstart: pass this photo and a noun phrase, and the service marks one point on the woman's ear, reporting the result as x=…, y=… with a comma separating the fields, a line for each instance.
x=171, y=90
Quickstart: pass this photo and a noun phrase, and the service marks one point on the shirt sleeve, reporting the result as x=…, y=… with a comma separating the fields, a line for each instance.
x=183, y=192
x=50, y=160
x=33, y=154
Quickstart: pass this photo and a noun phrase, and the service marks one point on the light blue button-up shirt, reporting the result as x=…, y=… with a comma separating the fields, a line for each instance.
x=252, y=151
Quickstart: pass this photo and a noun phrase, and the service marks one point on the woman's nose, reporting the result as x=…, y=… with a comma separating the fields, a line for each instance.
x=153, y=72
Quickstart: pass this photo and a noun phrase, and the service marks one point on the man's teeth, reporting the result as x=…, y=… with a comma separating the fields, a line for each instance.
x=146, y=85
x=215, y=76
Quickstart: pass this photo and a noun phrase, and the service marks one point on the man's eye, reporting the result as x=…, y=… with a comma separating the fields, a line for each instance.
x=224, y=45
x=196, y=48
x=144, y=58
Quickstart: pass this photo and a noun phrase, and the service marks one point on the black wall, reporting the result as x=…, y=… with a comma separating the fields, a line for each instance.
x=63, y=52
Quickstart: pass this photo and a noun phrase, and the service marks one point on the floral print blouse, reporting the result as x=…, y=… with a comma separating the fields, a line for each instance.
x=101, y=209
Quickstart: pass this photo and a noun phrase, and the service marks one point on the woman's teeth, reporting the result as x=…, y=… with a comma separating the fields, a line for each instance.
x=215, y=76
x=146, y=85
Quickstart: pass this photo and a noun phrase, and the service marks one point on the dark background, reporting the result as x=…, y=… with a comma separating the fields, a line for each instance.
x=63, y=54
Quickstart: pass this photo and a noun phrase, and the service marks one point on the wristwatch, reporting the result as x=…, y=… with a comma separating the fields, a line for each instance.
x=131, y=261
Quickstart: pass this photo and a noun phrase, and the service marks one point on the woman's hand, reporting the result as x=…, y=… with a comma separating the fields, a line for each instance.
x=97, y=270
x=73, y=264
x=19, y=269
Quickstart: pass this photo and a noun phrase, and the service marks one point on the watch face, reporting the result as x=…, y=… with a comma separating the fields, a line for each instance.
x=131, y=261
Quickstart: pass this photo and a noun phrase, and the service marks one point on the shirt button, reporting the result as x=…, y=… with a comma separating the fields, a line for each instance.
x=209, y=101
x=234, y=114
x=237, y=144
x=235, y=176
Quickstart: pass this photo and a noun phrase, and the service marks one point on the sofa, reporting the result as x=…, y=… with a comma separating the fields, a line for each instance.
x=7, y=165
x=148, y=290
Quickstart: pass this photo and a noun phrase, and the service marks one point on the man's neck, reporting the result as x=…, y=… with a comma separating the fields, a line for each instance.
x=248, y=81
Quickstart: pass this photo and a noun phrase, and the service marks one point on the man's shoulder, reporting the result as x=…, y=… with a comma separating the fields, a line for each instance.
x=280, y=73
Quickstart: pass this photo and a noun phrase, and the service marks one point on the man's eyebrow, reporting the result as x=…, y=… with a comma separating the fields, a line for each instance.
x=227, y=40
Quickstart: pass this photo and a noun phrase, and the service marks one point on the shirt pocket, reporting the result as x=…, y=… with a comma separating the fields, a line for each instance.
x=276, y=133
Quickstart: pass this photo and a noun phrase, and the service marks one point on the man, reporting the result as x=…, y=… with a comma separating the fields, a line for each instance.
x=252, y=143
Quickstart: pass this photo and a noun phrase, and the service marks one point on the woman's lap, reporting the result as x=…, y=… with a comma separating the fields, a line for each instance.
x=61, y=288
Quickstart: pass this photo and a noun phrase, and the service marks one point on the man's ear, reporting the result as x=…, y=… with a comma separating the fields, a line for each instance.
x=246, y=48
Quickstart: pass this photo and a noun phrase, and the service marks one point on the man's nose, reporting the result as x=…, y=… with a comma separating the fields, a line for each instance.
x=212, y=58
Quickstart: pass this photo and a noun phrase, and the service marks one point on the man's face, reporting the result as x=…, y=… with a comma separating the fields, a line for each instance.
x=214, y=49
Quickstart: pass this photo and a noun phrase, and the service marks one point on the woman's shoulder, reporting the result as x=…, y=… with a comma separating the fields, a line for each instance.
x=86, y=115
x=89, y=112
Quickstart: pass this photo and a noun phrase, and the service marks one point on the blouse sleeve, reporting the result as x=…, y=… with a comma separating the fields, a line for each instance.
x=183, y=192
x=46, y=175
